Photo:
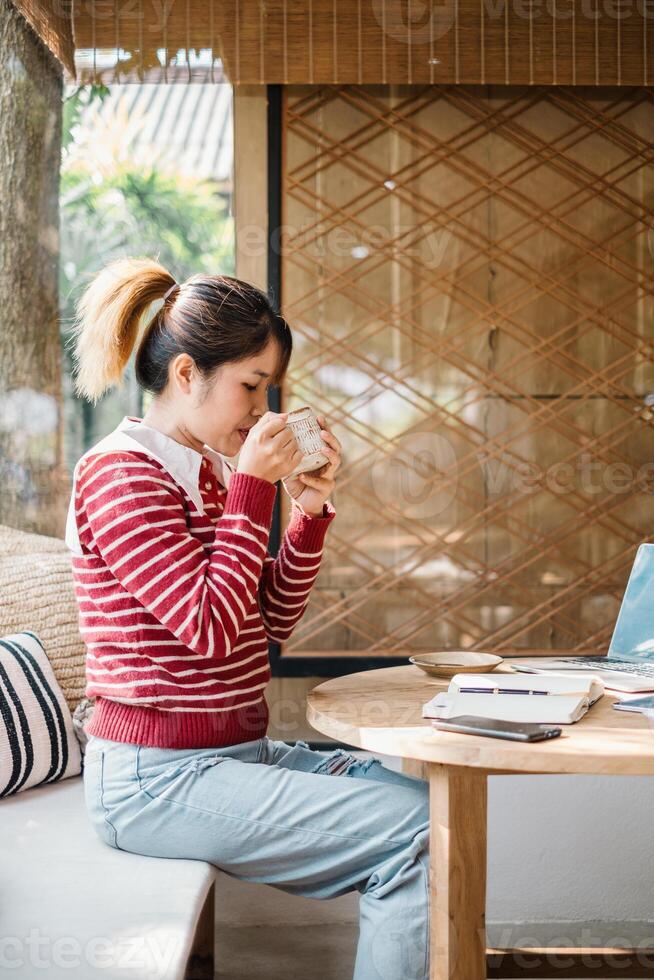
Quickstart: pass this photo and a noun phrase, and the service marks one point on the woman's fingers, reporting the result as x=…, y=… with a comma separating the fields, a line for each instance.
x=273, y=425
x=334, y=463
x=330, y=439
x=328, y=436
x=328, y=469
x=288, y=441
x=334, y=458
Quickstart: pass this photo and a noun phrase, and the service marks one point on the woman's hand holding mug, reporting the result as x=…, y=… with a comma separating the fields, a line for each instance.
x=311, y=490
x=270, y=450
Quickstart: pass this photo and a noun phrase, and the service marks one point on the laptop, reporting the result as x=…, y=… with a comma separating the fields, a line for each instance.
x=629, y=663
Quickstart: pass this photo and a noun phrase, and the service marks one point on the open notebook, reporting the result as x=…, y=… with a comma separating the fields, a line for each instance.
x=555, y=699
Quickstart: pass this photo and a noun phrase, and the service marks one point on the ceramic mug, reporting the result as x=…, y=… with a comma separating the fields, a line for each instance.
x=303, y=423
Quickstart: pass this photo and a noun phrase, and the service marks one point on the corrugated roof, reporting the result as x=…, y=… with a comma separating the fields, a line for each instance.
x=191, y=124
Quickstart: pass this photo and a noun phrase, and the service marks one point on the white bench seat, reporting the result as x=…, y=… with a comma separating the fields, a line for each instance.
x=73, y=907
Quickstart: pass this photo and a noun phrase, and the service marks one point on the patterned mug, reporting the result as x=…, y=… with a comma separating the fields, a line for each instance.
x=303, y=423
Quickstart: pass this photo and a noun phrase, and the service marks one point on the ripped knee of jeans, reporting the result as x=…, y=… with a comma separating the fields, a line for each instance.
x=203, y=762
x=342, y=763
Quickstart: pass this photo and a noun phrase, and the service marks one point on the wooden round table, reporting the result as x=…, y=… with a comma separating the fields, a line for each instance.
x=381, y=711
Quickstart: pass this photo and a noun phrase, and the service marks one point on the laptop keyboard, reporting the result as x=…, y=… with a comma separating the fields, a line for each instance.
x=624, y=666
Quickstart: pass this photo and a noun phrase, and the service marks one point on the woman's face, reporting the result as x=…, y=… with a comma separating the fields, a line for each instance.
x=219, y=417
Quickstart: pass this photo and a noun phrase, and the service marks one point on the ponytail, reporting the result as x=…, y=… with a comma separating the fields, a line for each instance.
x=213, y=319
x=108, y=319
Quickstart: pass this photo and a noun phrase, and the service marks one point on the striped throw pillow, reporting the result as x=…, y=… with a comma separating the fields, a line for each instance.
x=37, y=740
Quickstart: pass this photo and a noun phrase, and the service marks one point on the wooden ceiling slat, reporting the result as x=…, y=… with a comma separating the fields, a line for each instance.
x=520, y=42
x=299, y=25
x=53, y=23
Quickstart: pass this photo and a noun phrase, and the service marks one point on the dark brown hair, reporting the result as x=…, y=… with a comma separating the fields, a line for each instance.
x=214, y=319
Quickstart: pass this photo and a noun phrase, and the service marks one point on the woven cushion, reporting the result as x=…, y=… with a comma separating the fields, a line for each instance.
x=37, y=592
x=37, y=741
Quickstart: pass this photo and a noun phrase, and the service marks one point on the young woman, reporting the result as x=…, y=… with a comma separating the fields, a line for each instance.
x=178, y=599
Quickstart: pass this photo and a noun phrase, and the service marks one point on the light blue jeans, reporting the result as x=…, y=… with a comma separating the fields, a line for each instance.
x=311, y=823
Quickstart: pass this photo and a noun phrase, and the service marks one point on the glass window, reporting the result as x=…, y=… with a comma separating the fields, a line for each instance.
x=146, y=170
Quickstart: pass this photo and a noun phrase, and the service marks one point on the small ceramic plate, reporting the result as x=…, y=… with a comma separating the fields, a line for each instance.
x=455, y=662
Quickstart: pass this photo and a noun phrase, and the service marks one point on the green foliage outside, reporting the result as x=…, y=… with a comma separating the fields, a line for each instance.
x=115, y=202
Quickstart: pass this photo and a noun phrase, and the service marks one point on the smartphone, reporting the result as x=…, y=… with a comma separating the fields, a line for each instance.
x=518, y=730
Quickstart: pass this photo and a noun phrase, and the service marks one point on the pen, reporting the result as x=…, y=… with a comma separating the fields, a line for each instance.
x=513, y=690
x=496, y=690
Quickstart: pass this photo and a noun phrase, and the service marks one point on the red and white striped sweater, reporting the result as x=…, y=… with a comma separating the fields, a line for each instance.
x=176, y=605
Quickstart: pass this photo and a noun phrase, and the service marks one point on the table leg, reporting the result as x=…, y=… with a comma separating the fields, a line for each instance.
x=414, y=767
x=457, y=800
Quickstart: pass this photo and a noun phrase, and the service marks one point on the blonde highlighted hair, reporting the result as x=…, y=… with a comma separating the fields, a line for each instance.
x=214, y=319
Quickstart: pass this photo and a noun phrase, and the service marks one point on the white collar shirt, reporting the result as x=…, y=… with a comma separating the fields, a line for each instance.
x=182, y=462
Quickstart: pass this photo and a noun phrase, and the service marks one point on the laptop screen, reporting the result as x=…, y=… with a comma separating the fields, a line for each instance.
x=633, y=636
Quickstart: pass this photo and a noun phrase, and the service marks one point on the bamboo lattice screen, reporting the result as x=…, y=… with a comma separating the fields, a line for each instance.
x=543, y=42
x=468, y=273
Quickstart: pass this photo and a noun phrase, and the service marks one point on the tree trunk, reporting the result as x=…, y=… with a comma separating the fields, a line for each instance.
x=33, y=476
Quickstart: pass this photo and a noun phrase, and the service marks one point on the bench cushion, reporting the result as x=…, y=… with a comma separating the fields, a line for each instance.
x=37, y=740
x=90, y=909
